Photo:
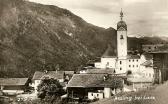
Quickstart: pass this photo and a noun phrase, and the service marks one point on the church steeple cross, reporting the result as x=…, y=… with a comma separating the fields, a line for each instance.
x=121, y=15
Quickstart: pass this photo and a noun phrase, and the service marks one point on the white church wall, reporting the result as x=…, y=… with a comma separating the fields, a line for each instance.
x=122, y=43
x=121, y=66
x=106, y=63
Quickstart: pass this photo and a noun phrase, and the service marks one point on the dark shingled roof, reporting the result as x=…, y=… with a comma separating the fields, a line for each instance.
x=95, y=80
x=13, y=81
x=147, y=63
x=121, y=24
x=148, y=56
x=50, y=74
x=100, y=71
x=133, y=57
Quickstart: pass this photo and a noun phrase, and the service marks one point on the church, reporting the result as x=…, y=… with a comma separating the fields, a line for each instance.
x=113, y=74
x=123, y=63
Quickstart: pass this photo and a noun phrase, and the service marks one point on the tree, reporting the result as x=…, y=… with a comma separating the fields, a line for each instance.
x=50, y=89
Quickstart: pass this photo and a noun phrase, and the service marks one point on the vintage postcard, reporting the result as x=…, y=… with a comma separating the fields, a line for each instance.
x=83, y=51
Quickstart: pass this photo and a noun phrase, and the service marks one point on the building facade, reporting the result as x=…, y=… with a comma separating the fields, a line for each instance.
x=13, y=86
x=122, y=62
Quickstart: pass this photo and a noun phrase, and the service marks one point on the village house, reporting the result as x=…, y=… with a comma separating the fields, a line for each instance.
x=147, y=70
x=13, y=86
x=61, y=76
x=94, y=86
x=133, y=63
x=140, y=83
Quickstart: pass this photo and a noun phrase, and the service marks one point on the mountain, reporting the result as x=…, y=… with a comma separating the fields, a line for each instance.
x=37, y=37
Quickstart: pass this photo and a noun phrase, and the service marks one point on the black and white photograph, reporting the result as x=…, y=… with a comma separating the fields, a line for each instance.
x=83, y=51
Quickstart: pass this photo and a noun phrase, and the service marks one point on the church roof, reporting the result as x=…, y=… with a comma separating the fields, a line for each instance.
x=121, y=25
x=109, y=52
x=95, y=80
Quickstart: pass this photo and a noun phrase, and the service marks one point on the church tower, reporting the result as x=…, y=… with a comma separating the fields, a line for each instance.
x=121, y=46
x=121, y=38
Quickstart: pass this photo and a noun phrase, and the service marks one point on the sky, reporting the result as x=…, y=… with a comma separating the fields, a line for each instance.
x=143, y=17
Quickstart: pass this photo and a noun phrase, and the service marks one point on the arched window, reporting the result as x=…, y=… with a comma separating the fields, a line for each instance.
x=121, y=37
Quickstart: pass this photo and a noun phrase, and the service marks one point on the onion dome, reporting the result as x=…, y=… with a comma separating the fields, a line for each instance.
x=121, y=24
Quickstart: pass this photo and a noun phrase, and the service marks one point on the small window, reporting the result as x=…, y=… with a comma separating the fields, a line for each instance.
x=129, y=60
x=149, y=75
x=97, y=95
x=120, y=68
x=121, y=37
x=149, y=47
x=133, y=60
x=120, y=62
x=137, y=60
x=137, y=65
x=133, y=66
x=129, y=65
x=92, y=94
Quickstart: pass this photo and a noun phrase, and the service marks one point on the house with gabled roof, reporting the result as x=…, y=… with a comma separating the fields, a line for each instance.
x=140, y=83
x=61, y=76
x=94, y=86
x=12, y=86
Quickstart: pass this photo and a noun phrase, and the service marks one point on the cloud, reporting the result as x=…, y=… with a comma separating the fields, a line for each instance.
x=147, y=17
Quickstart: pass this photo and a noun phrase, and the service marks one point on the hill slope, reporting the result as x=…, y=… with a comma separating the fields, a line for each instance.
x=36, y=37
